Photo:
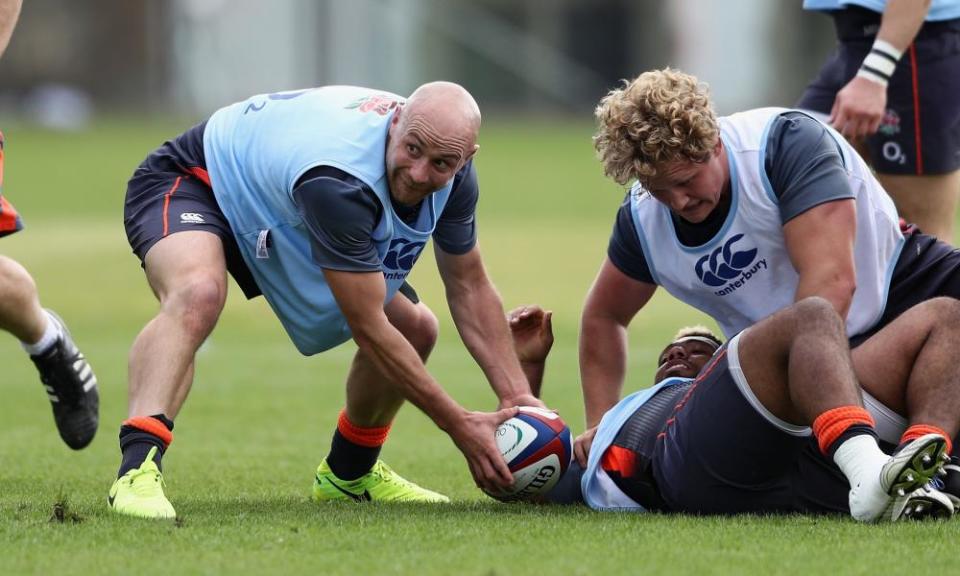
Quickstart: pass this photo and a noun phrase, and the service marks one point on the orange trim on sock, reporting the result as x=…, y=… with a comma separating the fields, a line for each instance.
x=367, y=437
x=918, y=430
x=830, y=425
x=151, y=426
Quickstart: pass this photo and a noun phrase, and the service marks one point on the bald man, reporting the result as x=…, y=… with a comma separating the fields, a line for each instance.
x=321, y=200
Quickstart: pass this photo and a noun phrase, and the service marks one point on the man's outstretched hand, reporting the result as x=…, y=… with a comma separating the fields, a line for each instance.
x=532, y=330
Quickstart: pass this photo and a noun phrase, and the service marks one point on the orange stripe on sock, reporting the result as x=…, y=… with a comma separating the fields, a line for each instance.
x=368, y=437
x=151, y=426
x=830, y=425
x=918, y=430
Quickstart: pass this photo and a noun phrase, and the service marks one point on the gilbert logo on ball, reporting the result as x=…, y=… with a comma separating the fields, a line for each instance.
x=537, y=447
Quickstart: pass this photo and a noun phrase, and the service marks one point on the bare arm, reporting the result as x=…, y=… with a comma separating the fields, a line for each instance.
x=360, y=296
x=820, y=243
x=901, y=21
x=861, y=104
x=611, y=304
x=478, y=313
x=9, y=12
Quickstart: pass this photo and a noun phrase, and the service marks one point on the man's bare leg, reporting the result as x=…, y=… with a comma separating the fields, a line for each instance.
x=372, y=403
x=798, y=365
x=930, y=201
x=187, y=272
x=20, y=311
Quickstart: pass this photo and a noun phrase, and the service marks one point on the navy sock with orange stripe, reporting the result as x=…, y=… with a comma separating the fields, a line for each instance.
x=355, y=449
x=917, y=430
x=138, y=435
x=837, y=425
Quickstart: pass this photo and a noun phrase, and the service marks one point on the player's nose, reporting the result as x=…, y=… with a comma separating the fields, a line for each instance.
x=676, y=352
x=677, y=201
x=419, y=172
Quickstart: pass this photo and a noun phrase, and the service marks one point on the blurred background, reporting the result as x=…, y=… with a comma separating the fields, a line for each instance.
x=70, y=60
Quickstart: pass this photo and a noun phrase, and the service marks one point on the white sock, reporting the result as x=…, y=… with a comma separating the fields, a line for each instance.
x=860, y=459
x=50, y=335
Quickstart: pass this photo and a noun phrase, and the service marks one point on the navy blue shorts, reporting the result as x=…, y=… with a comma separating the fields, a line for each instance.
x=718, y=454
x=920, y=133
x=170, y=193
x=926, y=269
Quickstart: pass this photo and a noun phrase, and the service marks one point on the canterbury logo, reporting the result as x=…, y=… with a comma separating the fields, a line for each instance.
x=191, y=218
x=402, y=254
x=724, y=263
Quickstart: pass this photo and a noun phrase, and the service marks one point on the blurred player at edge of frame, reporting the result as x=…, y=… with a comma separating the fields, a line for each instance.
x=69, y=381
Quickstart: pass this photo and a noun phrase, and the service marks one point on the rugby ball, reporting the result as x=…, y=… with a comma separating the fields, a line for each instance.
x=537, y=447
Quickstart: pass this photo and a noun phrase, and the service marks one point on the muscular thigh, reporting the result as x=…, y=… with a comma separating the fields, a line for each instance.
x=884, y=361
x=161, y=206
x=412, y=318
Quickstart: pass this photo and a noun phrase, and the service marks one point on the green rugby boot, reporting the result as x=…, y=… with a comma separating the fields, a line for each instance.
x=139, y=492
x=380, y=484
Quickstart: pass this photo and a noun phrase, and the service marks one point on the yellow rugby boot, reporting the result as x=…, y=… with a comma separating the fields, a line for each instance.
x=380, y=484
x=139, y=492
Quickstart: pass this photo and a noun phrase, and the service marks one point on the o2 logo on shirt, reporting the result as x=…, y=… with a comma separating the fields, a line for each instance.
x=402, y=254
x=724, y=264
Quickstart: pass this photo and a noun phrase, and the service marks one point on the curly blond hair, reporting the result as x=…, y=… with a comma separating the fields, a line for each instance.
x=663, y=115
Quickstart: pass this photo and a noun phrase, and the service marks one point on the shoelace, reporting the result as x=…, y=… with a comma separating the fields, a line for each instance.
x=145, y=488
x=387, y=474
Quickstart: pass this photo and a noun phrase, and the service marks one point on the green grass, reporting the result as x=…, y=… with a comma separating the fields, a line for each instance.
x=260, y=416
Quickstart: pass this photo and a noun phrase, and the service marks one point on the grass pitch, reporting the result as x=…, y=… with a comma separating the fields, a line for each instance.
x=260, y=416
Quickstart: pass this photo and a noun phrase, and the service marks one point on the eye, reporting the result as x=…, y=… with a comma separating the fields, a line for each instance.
x=441, y=164
x=413, y=149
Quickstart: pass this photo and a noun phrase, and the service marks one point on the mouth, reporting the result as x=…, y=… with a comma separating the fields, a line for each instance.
x=679, y=366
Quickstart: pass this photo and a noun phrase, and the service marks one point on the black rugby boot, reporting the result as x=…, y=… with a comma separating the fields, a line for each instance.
x=71, y=387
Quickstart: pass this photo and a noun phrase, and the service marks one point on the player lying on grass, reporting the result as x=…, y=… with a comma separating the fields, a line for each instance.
x=772, y=421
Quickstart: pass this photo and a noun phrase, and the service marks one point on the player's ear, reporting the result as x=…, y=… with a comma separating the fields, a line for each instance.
x=471, y=153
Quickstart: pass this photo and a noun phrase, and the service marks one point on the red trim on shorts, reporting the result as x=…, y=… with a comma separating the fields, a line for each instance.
x=166, y=205
x=914, y=77
x=918, y=430
x=620, y=460
x=200, y=174
x=9, y=219
x=367, y=437
x=151, y=426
